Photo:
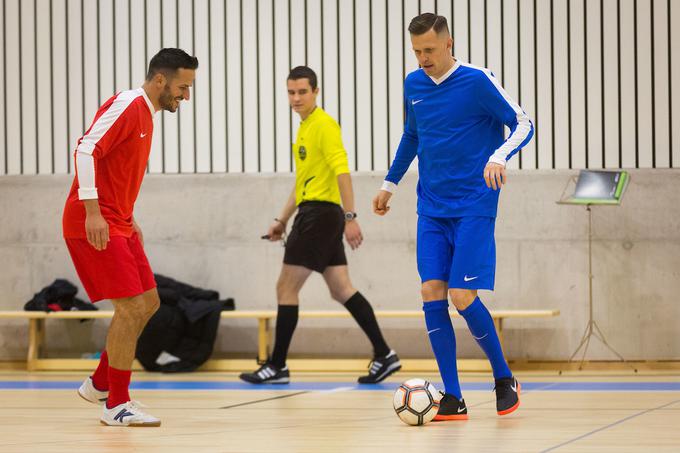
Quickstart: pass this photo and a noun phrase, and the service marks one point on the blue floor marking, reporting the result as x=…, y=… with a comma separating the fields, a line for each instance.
x=321, y=386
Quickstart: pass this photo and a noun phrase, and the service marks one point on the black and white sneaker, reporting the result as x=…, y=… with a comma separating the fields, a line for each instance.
x=380, y=368
x=507, y=395
x=451, y=408
x=267, y=374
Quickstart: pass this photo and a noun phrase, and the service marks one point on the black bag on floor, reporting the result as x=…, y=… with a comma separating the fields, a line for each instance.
x=180, y=336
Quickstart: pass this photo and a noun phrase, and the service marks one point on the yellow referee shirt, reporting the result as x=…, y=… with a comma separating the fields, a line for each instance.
x=319, y=158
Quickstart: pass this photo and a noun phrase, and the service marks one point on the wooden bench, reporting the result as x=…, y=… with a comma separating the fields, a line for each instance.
x=36, y=337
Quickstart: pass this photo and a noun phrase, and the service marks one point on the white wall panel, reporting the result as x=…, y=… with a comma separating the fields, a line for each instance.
x=629, y=105
x=14, y=102
x=282, y=64
x=577, y=84
x=600, y=78
x=560, y=89
x=611, y=84
x=594, y=36
x=44, y=128
x=60, y=87
x=28, y=86
x=660, y=84
x=266, y=81
x=202, y=94
x=3, y=87
x=528, y=89
x=674, y=111
x=379, y=86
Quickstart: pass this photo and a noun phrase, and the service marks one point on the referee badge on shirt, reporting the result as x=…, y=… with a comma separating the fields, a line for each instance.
x=302, y=151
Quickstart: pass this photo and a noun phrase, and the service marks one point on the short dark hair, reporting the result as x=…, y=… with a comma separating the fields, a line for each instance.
x=304, y=72
x=425, y=22
x=169, y=60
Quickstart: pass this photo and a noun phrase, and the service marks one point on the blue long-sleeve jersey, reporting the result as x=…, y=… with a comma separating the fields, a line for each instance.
x=455, y=127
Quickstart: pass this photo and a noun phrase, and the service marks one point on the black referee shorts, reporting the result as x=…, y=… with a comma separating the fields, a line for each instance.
x=315, y=241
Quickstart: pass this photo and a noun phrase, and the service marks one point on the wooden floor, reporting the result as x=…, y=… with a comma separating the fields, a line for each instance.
x=213, y=412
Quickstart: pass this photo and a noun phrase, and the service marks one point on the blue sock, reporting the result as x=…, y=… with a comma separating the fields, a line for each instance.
x=443, y=341
x=481, y=325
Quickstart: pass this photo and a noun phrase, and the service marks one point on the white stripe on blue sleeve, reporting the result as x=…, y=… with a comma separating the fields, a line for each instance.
x=520, y=132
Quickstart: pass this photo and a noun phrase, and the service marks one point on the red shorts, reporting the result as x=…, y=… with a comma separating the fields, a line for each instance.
x=121, y=270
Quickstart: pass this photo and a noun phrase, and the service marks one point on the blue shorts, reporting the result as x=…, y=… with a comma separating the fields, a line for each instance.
x=460, y=251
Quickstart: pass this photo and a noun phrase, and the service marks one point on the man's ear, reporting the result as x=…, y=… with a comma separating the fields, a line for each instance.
x=159, y=79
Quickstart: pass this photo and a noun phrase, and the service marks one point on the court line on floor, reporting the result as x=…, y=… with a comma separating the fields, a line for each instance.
x=611, y=425
x=280, y=397
x=333, y=390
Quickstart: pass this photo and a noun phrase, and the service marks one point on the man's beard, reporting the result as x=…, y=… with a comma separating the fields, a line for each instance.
x=167, y=101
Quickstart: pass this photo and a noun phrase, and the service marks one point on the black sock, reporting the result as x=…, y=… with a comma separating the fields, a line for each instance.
x=286, y=321
x=362, y=312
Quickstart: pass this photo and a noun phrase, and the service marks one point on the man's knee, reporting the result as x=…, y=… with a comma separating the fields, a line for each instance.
x=285, y=289
x=433, y=290
x=462, y=298
x=152, y=303
x=137, y=308
x=128, y=310
x=343, y=295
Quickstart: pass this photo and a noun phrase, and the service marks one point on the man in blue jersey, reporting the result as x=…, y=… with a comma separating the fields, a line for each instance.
x=455, y=118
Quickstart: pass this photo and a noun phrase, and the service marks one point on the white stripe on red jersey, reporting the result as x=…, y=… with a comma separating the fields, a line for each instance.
x=85, y=171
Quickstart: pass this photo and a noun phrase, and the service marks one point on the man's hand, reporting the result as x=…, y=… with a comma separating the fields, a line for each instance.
x=494, y=175
x=138, y=230
x=276, y=230
x=97, y=231
x=380, y=202
x=353, y=234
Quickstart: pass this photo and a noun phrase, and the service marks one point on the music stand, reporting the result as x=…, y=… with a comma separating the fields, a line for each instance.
x=590, y=189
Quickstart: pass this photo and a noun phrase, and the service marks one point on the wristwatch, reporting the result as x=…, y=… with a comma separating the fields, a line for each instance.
x=349, y=215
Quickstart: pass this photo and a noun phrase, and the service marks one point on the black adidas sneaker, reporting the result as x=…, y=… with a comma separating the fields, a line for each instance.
x=507, y=395
x=451, y=408
x=267, y=374
x=380, y=368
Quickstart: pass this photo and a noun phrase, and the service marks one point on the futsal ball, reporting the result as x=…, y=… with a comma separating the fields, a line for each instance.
x=416, y=402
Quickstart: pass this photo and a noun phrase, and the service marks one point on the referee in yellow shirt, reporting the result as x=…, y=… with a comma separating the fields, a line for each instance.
x=324, y=200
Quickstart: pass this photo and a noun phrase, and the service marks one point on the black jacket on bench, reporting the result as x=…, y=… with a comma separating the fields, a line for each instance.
x=60, y=295
x=185, y=326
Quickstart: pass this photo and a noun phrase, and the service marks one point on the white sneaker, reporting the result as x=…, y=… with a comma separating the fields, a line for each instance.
x=88, y=392
x=128, y=414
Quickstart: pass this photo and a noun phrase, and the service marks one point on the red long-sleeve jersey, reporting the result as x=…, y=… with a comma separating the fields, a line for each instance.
x=111, y=160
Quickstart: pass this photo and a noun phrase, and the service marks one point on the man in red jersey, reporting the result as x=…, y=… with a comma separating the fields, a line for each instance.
x=105, y=242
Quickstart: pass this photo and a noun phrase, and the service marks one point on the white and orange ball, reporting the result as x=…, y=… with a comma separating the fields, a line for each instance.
x=416, y=401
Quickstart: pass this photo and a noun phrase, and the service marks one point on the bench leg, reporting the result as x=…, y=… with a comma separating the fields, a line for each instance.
x=498, y=323
x=263, y=338
x=36, y=337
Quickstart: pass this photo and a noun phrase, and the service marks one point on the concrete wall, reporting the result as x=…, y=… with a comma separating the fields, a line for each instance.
x=205, y=229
